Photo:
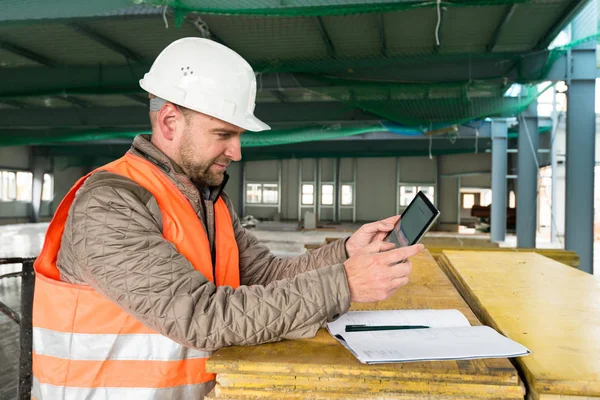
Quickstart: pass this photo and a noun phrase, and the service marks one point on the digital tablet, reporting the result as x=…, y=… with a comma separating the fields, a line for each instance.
x=415, y=221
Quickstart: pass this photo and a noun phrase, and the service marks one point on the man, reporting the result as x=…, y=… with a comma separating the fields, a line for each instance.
x=146, y=269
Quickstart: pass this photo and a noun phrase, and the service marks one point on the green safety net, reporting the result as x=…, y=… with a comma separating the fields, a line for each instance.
x=421, y=106
x=309, y=8
x=248, y=139
x=418, y=107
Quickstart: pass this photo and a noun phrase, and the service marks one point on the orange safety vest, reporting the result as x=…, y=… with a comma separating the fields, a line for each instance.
x=84, y=345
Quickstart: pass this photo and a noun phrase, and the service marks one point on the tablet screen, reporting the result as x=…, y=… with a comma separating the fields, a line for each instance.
x=414, y=222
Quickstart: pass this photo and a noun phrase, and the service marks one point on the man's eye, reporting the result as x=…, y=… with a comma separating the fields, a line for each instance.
x=224, y=135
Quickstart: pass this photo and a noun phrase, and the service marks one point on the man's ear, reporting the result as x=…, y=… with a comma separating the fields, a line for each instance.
x=167, y=119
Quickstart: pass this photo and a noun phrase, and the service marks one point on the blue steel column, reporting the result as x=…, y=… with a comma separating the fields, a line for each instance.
x=581, y=129
x=499, y=169
x=527, y=177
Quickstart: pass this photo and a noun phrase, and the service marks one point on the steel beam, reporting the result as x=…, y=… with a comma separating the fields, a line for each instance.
x=25, y=53
x=323, y=113
x=138, y=98
x=106, y=42
x=14, y=103
x=279, y=95
x=527, y=179
x=326, y=38
x=381, y=30
x=566, y=16
x=510, y=11
x=581, y=129
x=93, y=79
x=75, y=101
x=577, y=63
x=499, y=185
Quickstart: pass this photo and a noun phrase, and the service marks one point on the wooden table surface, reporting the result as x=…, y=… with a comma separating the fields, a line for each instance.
x=552, y=309
x=320, y=367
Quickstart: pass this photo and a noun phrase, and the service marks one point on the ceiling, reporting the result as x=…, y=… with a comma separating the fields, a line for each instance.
x=68, y=67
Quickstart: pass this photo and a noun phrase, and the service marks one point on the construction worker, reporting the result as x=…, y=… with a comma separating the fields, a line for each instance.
x=146, y=269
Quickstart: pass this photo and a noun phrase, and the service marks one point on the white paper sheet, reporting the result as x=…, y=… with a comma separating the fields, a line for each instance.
x=450, y=337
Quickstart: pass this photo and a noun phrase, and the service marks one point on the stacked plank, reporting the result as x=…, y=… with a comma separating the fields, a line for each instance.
x=437, y=244
x=566, y=257
x=321, y=368
x=554, y=311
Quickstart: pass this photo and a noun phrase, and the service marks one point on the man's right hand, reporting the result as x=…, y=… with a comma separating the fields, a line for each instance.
x=376, y=273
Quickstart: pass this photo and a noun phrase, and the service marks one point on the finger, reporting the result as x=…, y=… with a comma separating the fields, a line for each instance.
x=385, y=225
x=379, y=246
x=376, y=247
x=399, y=282
x=400, y=254
x=397, y=271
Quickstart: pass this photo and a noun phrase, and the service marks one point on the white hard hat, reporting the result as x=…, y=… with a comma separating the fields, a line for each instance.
x=207, y=77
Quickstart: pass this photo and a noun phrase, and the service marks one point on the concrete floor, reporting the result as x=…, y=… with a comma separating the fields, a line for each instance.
x=282, y=238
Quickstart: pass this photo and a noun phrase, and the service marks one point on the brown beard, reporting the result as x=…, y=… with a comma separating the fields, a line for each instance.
x=200, y=174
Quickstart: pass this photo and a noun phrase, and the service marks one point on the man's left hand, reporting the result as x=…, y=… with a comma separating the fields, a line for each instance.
x=368, y=233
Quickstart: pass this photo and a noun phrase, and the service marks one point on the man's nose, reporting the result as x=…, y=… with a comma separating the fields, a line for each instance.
x=234, y=150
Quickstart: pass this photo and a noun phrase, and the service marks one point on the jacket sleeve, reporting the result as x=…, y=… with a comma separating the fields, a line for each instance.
x=120, y=251
x=258, y=266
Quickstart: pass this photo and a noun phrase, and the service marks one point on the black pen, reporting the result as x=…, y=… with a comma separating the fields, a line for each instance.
x=366, y=328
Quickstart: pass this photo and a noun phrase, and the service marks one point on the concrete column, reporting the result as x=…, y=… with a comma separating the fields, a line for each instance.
x=554, y=167
x=581, y=130
x=499, y=186
x=243, y=189
x=38, y=167
x=337, y=193
x=527, y=177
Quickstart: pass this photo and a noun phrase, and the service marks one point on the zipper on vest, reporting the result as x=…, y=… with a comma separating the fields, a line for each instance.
x=162, y=166
x=209, y=207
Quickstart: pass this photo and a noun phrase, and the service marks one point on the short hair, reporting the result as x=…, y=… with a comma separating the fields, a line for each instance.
x=183, y=110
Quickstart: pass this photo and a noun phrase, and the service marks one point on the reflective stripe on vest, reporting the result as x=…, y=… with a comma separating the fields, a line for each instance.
x=98, y=347
x=46, y=391
x=86, y=346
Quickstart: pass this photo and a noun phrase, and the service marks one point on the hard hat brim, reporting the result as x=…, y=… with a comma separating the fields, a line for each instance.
x=252, y=124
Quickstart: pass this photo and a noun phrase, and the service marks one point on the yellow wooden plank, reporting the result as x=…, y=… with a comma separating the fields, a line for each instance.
x=358, y=385
x=566, y=257
x=323, y=356
x=554, y=311
x=224, y=393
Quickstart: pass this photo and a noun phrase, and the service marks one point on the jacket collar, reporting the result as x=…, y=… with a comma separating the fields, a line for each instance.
x=142, y=146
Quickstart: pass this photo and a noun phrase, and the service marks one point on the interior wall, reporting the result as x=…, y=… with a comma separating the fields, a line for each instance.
x=233, y=187
x=17, y=158
x=65, y=177
x=375, y=189
x=262, y=172
x=376, y=183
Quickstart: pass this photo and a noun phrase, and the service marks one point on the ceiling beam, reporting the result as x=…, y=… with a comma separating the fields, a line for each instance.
x=279, y=95
x=326, y=38
x=138, y=98
x=25, y=53
x=14, y=103
x=106, y=42
x=38, y=81
x=382, y=38
x=75, y=101
x=510, y=11
x=325, y=148
x=278, y=114
x=566, y=17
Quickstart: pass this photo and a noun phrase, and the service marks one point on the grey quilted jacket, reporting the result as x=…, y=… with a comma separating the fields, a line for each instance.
x=113, y=242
